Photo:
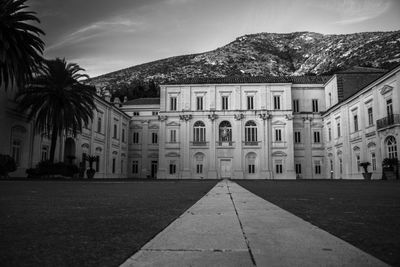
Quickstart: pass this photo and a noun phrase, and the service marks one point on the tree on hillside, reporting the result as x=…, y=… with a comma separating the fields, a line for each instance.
x=57, y=101
x=21, y=48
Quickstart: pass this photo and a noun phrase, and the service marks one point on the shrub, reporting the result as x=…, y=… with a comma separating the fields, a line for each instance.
x=7, y=165
x=48, y=168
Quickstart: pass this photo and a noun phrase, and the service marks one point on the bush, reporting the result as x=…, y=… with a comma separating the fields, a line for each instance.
x=47, y=168
x=7, y=165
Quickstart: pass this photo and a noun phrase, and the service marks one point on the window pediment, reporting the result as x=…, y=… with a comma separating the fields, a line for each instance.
x=386, y=89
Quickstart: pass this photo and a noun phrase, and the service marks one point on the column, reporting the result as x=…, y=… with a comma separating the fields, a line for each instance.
x=308, y=170
x=146, y=162
x=212, y=171
x=238, y=156
x=162, y=165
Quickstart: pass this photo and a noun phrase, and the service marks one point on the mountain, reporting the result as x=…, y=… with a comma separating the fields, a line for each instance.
x=266, y=54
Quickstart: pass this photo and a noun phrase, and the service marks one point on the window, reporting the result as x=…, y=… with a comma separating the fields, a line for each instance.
x=16, y=151
x=123, y=135
x=154, y=113
x=338, y=129
x=315, y=105
x=113, y=165
x=122, y=166
x=278, y=167
x=173, y=136
x=225, y=102
x=297, y=137
x=295, y=105
x=250, y=132
x=330, y=133
x=154, y=138
x=99, y=121
x=172, y=168
x=135, y=138
x=199, y=168
x=298, y=168
x=115, y=131
x=199, y=132
x=199, y=103
x=370, y=116
x=135, y=167
x=252, y=168
x=317, y=137
x=98, y=164
x=391, y=147
x=45, y=153
x=389, y=107
x=373, y=161
x=355, y=119
x=136, y=113
x=225, y=131
x=317, y=166
x=340, y=165
x=358, y=162
x=172, y=103
x=330, y=99
x=277, y=102
x=278, y=135
x=250, y=102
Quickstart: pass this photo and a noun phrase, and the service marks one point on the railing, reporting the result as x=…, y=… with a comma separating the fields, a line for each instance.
x=388, y=121
x=251, y=143
x=199, y=143
x=225, y=143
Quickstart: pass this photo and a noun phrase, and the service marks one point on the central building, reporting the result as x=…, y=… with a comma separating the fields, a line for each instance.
x=241, y=128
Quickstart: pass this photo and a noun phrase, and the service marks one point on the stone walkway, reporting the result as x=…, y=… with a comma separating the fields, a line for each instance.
x=230, y=226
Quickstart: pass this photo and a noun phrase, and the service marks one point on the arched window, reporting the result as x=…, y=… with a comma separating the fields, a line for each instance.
x=251, y=163
x=391, y=147
x=225, y=131
x=250, y=133
x=199, y=132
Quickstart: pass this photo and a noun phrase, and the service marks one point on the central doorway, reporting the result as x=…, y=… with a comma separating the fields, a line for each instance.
x=154, y=166
x=225, y=168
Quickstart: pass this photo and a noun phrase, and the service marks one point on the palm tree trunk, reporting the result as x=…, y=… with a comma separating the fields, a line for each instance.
x=53, y=143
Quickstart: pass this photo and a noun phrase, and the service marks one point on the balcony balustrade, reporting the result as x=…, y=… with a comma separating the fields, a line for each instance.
x=390, y=120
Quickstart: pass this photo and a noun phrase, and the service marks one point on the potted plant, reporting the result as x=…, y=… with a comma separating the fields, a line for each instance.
x=90, y=172
x=7, y=165
x=367, y=175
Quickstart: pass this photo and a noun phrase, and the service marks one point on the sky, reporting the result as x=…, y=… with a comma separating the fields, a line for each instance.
x=104, y=36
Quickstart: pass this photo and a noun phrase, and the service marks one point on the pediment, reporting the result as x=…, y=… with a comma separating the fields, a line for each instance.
x=85, y=145
x=135, y=126
x=172, y=154
x=136, y=155
x=386, y=89
x=153, y=126
x=317, y=125
x=278, y=122
x=279, y=154
x=173, y=123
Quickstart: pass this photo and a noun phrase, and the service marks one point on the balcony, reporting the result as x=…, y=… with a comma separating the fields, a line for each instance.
x=199, y=144
x=227, y=144
x=251, y=143
x=388, y=121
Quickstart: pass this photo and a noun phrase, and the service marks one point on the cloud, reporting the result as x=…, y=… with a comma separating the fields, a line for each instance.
x=90, y=31
x=353, y=11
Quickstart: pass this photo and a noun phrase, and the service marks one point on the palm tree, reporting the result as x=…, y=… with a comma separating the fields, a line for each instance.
x=21, y=48
x=57, y=101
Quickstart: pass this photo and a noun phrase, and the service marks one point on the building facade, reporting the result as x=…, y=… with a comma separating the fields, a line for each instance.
x=308, y=127
x=106, y=137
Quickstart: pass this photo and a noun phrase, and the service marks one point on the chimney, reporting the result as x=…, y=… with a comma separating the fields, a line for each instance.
x=117, y=102
x=107, y=96
x=125, y=99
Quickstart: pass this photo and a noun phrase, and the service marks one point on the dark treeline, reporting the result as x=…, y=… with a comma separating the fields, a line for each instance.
x=135, y=89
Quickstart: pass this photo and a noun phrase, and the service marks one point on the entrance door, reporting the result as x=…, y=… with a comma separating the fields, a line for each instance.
x=226, y=168
x=154, y=167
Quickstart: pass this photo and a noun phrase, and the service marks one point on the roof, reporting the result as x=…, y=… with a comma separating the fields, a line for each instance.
x=358, y=69
x=254, y=79
x=350, y=83
x=143, y=101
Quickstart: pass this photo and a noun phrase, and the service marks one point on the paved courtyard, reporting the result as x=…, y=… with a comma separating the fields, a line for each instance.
x=230, y=226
